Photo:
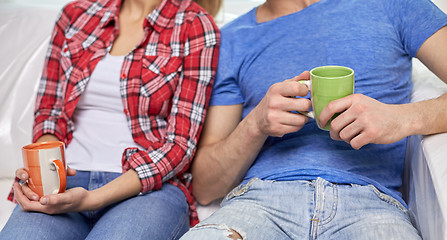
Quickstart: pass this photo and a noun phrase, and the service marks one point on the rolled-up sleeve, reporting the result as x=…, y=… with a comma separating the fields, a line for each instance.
x=172, y=155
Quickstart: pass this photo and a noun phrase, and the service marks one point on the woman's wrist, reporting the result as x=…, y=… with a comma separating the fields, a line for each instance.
x=125, y=186
x=47, y=138
x=96, y=199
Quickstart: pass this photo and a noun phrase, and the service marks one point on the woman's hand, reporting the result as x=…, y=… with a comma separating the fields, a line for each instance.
x=73, y=200
x=23, y=193
x=77, y=199
x=22, y=174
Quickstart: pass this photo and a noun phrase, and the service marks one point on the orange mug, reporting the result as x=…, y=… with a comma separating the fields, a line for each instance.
x=45, y=164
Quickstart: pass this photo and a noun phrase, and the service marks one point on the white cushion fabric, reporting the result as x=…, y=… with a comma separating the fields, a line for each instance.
x=25, y=28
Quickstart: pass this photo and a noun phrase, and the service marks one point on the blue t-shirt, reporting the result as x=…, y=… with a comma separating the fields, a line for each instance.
x=376, y=38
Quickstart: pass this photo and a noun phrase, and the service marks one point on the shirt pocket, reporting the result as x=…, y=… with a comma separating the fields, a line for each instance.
x=358, y=54
x=159, y=80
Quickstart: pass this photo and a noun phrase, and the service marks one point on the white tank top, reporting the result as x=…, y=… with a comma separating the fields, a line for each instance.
x=101, y=130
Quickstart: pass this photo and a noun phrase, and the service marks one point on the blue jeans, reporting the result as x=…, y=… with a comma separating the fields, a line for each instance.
x=306, y=210
x=162, y=214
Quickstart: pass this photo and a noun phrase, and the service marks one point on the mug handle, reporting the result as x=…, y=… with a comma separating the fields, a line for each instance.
x=60, y=174
x=309, y=114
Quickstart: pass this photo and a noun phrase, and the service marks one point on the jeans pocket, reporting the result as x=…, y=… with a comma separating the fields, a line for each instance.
x=239, y=190
x=388, y=199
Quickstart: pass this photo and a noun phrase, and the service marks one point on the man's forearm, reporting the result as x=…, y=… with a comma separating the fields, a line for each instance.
x=221, y=166
x=427, y=117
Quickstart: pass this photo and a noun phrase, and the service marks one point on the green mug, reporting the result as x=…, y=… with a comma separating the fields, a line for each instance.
x=328, y=83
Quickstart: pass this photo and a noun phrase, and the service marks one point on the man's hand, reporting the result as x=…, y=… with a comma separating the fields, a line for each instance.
x=273, y=115
x=364, y=120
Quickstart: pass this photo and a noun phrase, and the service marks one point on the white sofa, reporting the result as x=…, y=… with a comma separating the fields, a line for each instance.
x=24, y=33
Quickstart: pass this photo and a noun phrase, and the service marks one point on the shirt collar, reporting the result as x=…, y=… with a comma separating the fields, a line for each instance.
x=110, y=12
x=163, y=15
x=160, y=18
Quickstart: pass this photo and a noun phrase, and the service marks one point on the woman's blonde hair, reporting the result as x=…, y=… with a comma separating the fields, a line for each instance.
x=211, y=6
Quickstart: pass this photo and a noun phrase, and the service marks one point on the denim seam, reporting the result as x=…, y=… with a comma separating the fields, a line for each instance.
x=221, y=227
x=240, y=190
x=317, y=208
x=334, y=206
x=177, y=233
x=319, y=190
x=388, y=199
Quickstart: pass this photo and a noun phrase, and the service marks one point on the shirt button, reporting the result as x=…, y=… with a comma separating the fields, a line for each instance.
x=123, y=76
x=162, y=69
x=65, y=49
x=125, y=111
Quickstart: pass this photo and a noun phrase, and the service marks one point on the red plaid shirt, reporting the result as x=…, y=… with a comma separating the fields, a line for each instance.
x=165, y=82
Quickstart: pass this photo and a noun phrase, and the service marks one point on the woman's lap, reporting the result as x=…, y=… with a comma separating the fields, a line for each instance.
x=162, y=214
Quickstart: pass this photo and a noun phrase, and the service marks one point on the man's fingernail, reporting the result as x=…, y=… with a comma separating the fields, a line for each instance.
x=23, y=175
x=44, y=201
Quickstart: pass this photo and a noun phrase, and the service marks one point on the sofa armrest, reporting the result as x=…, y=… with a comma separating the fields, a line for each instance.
x=426, y=173
x=426, y=166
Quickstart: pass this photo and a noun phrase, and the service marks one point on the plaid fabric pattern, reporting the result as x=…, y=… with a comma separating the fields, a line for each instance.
x=165, y=83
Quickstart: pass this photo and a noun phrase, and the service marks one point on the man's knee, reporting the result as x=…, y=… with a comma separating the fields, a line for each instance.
x=230, y=233
x=234, y=235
